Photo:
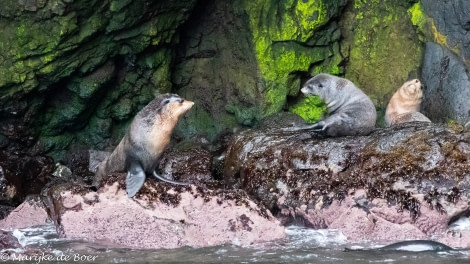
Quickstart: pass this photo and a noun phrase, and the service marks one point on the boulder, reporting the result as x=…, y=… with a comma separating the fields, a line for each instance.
x=407, y=181
x=164, y=217
x=446, y=81
x=30, y=213
x=8, y=241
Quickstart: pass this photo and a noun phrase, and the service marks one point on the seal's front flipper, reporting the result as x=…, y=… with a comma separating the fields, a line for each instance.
x=135, y=179
x=317, y=127
x=168, y=180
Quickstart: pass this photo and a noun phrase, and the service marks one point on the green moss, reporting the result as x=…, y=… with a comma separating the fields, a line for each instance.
x=198, y=122
x=310, y=108
x=279, y=29
x=418, y=17
x=383, y=47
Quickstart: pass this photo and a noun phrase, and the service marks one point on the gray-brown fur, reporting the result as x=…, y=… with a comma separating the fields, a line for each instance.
x=146, y=139
x=350, y=111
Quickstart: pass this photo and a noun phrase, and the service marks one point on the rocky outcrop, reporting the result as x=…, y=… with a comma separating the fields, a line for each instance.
x=381, y=46
x=446, y=26
x=30, y=213
x=163, y=217
x=22, y=174
x=73, y=72
x=409, y=177
x=450, y=24
x=8, y=241
x=447, y=82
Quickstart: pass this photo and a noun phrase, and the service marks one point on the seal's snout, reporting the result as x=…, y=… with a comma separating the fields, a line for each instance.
x=187, y=103
x=304, y=90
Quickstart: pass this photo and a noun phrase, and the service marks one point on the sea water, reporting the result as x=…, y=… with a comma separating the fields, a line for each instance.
x=302, y=245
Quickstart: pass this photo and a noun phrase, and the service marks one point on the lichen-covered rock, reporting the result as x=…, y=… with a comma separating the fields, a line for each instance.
x=382, y=48
x=292, y=40
x=445, y=23
x=447, y=82
x=306, y=177
x=190, y=217
x=249, y=56
x=65, y=65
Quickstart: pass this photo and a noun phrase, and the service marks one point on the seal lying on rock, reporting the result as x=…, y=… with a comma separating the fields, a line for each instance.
x=351, y=112
x=144, y=142
x=404, y=104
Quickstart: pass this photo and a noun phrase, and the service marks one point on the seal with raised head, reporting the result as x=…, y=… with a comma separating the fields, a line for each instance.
x=146, y=139
x=350, y=111
x=404, y=104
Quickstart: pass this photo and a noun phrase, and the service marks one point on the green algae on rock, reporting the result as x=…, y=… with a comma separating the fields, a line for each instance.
x=66, y=58
x=286, y=43
x=310, y=108
x=382, y=47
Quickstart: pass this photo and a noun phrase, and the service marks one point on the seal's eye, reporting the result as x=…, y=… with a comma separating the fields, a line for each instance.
x=166, y=102
x=320, y=85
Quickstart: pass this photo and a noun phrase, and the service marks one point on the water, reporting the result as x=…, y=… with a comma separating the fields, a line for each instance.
x=302, y=245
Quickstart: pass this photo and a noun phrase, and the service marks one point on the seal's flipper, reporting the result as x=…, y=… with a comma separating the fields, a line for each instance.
x=135, y=179
x=317, y=127
x=168, y=180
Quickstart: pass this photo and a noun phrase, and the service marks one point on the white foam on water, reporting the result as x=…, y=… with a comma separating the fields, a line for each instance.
x=319, y=237
x=37, y=235
x=462, y=223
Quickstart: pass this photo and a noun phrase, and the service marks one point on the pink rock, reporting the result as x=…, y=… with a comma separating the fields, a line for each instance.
x=196, y=221
x=379, y=221
x=29, y=213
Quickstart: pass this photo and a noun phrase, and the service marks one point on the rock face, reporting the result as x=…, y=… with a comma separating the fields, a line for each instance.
x=413, y=178
x=447, y=92
x=451, y=24
x=21, y=174
x=382, y=48
x=30, y=213
x=445, y=27
x=192, y=217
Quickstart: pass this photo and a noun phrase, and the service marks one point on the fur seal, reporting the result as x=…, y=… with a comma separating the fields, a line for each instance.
x=411, y=246
x=404, y=104
x=350, y=111
x=144, y=142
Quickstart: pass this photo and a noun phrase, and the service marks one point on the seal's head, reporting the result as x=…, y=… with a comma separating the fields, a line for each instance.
x=328, y=87
x=164, y=111
x=412, y=90
x=319, y=84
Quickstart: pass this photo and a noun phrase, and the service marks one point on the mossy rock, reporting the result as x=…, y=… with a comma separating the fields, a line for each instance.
x=382, y=45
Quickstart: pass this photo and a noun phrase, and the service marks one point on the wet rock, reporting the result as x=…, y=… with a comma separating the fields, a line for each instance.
x=21, y=174
x=186, y=162
x=414, y=178
x=451, y=23
x=5, y=211
x=30, y=213
x=8, y=241
x=447, y=82
x=165, y=217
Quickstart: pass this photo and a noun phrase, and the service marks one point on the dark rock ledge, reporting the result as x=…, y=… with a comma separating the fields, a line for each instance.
x=404, y=182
